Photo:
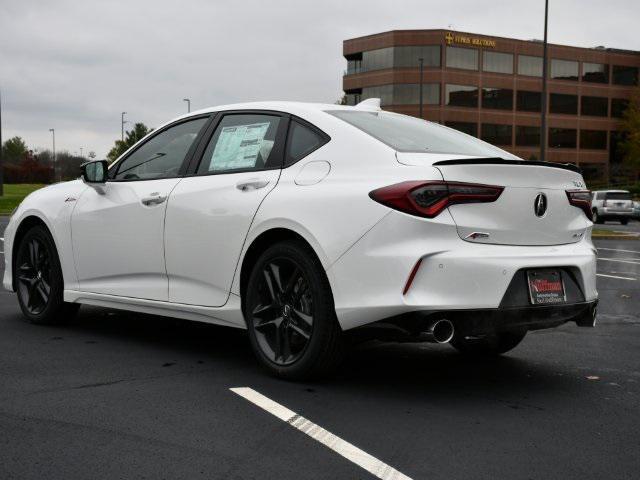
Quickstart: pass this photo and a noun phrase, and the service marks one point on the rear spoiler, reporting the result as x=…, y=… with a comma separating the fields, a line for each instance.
x=501, y=161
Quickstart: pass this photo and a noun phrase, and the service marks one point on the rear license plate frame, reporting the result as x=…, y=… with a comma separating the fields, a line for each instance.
x=543, y=287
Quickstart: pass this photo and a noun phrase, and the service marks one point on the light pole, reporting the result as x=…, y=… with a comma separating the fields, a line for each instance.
x=53, y=138
x=543, y=119
x=1, y=163
x=421, y=62
x=122, y=122
x=81, y=152
x=188, y=100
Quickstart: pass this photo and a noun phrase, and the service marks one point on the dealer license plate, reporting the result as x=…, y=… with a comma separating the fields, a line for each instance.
x=546, y=287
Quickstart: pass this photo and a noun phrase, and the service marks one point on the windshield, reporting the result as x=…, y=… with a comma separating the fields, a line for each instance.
x=618, y=196
x=409, y=134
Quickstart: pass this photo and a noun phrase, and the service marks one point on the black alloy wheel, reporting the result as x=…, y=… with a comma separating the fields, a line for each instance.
x=282, y=316
x=290, y=314
x=34, y=276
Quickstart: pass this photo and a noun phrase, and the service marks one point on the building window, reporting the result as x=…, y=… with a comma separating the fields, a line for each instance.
x=528, y=101
x=564, y=69
x=353, y=98
x=461, y=96
x=528, y=65
x=408, y=56
x=465, y=58
x=354, y=66
x=409, y=94
x=464, y=127
x=593, y=139
x=500, y=98
x=561, y=103
x=377, y=59
x=595, y=72
x=496, y=134
x=563, y=137
x=383, y=92
x=618, y=106
x=625, y=75
x=497, y=62
x=527, y=136
x=594, y=106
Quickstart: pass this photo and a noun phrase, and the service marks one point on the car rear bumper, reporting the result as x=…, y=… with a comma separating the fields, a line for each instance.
x=454, y=275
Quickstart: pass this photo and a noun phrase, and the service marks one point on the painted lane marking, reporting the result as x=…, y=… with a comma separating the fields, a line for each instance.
x=335, y=443
x=615, y=276
x=618, y=250
x=621, y=261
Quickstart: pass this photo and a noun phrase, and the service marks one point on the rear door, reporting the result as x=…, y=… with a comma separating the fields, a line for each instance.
x=210, y=211
x=619, y=202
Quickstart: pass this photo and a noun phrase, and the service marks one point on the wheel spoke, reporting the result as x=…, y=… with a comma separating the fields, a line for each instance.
x=32, y=254
x=284, y=344
x=45, y=286
x=300, y=331
x=271, y=286
x=293, y=280
x=41, y=292
x=303, y=317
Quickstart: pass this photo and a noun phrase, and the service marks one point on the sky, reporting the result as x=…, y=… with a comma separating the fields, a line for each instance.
x=76, y=65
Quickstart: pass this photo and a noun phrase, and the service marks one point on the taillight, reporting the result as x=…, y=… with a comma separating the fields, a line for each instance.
x=428, y=199
x=582, y=200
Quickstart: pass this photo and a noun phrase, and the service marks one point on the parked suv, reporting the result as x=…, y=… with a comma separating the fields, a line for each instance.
x=611, y=205
x=636, y=210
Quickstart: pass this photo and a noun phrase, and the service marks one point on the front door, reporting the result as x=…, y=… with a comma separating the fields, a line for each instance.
x=209, y=213
x=118, y=228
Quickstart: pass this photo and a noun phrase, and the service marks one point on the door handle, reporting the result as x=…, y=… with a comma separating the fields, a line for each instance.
x=251, y=185
x=153, y=199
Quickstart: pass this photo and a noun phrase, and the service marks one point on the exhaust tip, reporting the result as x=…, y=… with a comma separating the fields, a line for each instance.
x=442, y=331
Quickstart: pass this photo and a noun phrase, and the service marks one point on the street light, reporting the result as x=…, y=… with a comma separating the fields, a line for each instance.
x=122, y=122
x=81, y=152
x=53, y=138
x=421, y=62
x=543, y=119
x=1, y=163
x=188, y=100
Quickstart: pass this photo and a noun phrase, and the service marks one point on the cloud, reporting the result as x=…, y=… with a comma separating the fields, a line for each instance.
x=75, y=66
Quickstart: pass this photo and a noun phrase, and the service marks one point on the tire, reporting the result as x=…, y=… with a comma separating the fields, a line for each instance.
x=596, y=217
x=624, y=221
x=490, y=346
x=39, y=282
x=290, y=314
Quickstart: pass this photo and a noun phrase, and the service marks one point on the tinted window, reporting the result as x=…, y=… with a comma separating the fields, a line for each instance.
x=377, y=59
x=528, y=65
x=528, y=101
x=497, y=62
x=404, y=93
x=593, y=139
x=162, y=155
x=242, y=142
x=464, y=127
x=561, y=103
x=500, y=98
x=409, y=134
x=301, y=142
x=466, y=58
x=496, y=134
x=527, y=136
x=595, y=106
x=625, y=75
x=408, y=56
x=595, y=72
x=564, y=69
x=461, y=95
x=563, y=137
x=618, y=106
x=383, y=92
x=618, y=196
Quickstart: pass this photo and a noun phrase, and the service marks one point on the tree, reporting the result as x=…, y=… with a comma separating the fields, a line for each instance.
x=630, y=126
x=14, y=150
x=131, y=137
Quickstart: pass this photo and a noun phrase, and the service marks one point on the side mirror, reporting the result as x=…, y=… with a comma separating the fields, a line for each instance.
x=94, y=172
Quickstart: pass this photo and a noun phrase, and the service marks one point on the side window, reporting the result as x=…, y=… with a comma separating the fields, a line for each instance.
x=162, y=155
x=301, y=142
x=242, y=142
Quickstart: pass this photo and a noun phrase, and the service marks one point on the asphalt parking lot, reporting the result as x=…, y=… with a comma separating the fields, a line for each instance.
x=120, y=395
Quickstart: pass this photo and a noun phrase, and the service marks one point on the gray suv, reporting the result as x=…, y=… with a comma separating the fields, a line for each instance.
x=612, y=205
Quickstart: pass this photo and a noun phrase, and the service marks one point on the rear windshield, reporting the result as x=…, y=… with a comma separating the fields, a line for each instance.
x=618, y=196
x=410, y=134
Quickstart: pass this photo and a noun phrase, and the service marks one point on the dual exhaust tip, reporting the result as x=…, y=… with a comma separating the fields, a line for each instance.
x=438, y=331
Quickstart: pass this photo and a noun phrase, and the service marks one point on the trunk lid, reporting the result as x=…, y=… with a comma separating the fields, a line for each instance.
x=517, y=217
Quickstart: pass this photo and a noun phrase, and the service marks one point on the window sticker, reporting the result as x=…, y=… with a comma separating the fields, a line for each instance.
x=238, y=147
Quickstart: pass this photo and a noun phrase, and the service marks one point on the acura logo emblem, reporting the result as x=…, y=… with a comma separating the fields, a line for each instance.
x=540, y=205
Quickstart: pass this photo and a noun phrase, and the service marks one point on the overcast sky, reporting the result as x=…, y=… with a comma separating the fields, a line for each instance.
x=75, y=65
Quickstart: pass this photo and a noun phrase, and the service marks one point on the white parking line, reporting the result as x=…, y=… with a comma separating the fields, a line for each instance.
x=618, y=250
x=615, y=276
x=338, y=445
x=618, y=260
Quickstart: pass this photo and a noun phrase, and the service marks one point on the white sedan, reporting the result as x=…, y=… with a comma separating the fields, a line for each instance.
x=308, y=223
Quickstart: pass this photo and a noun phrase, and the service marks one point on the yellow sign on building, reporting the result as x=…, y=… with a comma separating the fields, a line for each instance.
x=452, y=38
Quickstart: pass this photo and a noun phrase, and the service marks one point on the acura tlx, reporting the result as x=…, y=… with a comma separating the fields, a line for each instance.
x=312, y=225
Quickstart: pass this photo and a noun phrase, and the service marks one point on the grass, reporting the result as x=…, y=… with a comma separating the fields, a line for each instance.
x=611, y=235
x=14, y=194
